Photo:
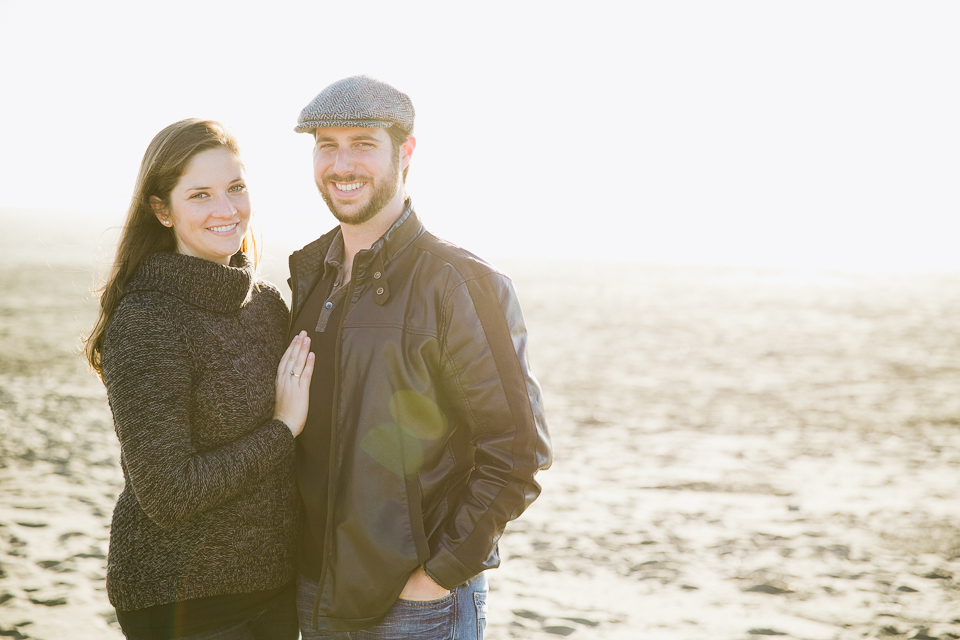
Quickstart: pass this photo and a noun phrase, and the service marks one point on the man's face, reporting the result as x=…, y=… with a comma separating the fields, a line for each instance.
x=357, y=171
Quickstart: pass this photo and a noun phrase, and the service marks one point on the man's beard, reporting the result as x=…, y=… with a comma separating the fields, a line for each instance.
x=383, y=193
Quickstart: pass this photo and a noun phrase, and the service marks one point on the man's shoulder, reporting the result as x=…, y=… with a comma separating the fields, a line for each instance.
x=314, y=253
x=467, y=264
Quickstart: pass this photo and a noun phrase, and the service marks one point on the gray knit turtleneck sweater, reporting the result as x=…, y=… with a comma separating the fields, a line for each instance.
x=209, y=506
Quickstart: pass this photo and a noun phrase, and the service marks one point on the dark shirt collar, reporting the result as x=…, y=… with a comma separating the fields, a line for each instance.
x=333, y=262
x=396, y=238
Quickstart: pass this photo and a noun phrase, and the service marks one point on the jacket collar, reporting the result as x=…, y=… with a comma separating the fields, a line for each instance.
x=199, y=282
x=398, y=237
x=401, y=234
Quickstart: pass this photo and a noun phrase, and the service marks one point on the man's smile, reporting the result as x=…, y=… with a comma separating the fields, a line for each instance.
x=348, y=186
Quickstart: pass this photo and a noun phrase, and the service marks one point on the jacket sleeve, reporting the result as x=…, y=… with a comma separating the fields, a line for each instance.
x=147, y=373
x=484, y=372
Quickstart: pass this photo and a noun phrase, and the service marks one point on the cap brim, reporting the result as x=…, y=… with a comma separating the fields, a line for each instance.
x=309, y=126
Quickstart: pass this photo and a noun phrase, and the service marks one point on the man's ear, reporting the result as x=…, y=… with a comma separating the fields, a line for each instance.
x=406, y=151
x=160, y=211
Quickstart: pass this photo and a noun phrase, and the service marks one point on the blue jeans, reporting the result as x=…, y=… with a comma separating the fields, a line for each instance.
x=460, y=615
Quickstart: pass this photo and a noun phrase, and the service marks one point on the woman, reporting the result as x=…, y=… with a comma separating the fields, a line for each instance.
x=206, y=404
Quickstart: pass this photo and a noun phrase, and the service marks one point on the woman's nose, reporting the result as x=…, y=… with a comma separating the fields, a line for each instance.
x=225, y=207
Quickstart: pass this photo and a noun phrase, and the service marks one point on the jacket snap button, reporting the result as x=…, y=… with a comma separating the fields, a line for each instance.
x=380, y=291
x=328, y=305
x=376, y=276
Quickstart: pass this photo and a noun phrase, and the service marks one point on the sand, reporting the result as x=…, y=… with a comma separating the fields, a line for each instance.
x=740, y=453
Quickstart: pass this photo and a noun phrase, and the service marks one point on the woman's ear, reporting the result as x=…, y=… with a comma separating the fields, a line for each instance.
x=160, y=211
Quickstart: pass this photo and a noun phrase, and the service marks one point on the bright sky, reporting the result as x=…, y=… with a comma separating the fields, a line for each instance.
x=815, y=134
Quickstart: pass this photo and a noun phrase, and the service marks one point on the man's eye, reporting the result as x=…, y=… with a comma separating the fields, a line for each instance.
x=364, y=145
x=327, y=147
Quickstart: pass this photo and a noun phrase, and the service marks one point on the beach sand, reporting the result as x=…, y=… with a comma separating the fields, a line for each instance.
x=738, y=453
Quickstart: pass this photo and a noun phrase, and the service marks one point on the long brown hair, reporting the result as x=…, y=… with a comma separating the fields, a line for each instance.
x=164, y=163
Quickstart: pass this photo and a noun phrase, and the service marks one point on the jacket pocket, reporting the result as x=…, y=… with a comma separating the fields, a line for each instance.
x=415, y=505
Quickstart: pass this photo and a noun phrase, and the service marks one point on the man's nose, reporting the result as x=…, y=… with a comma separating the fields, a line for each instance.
x=344, y=161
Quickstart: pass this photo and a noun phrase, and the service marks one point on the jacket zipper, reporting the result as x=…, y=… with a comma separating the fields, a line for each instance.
x=295, y=289
x=331, y=475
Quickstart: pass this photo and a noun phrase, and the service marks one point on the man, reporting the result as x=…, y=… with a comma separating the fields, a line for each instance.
x=426, y=427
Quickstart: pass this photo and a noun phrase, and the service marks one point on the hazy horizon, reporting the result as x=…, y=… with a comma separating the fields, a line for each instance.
x=86, y=240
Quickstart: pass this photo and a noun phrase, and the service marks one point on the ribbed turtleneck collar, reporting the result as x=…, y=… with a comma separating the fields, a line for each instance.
x=196, y=281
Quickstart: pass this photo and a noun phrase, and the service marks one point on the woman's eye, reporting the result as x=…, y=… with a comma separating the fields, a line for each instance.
x=238, y=188
x=199, y=196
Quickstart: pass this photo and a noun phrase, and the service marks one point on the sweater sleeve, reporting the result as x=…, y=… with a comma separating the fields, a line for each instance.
x=147, y=373
x=485, y=372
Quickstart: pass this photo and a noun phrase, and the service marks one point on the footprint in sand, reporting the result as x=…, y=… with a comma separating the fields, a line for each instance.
x=52, y=602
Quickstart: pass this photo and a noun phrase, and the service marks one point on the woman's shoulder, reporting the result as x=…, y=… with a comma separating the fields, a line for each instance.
x=266, y=292
x=144, y=326
x=266, y=287
x=145, y=306
x=143, y=314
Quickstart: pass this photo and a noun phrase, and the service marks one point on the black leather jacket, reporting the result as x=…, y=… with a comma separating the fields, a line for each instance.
x=439, y=422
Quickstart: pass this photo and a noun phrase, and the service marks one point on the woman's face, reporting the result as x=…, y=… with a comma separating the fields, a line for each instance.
x=209, y=208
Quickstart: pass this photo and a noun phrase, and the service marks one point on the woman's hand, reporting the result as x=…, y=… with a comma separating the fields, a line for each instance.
x=293, y=384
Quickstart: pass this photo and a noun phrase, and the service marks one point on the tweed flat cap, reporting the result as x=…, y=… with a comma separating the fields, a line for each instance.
x=357, y=101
